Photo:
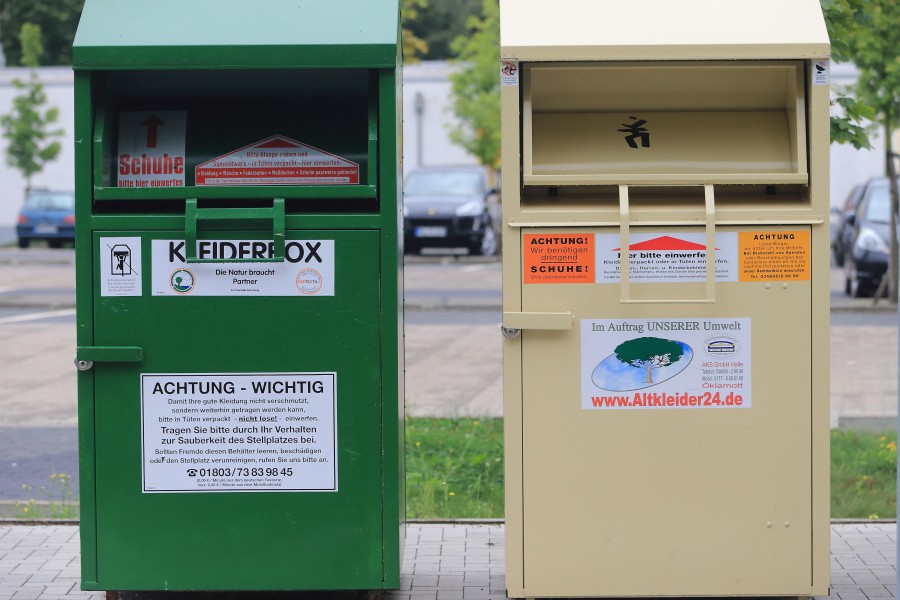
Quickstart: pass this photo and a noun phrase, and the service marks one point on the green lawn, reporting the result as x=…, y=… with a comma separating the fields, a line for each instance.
x=863, y=475
x=455, y=470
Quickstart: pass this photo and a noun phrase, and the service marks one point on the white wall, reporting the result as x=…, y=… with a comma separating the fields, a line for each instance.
x=425, y=141
x=58, y=175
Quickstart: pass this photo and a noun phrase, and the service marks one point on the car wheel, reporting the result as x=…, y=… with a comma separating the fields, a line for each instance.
x=487, y=246
x=23, y=242
x=854, y=286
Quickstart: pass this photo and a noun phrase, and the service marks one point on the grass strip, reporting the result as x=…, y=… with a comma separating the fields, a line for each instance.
x=455, y=470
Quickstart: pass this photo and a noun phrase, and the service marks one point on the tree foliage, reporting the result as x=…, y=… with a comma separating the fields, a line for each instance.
x=649, y=353
x=441, y=22
x=28, y=129
x=475, y=87
x=58, y=20
x=413, y=45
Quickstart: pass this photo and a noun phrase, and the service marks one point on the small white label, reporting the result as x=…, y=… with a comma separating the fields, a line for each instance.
x=307, y=270
x=509, y=73
x=248, y=432
x=820, y=72
x=120, y=266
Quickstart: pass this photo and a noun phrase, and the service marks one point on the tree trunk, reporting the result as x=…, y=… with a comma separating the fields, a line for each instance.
x=891, y=171
x=649, y=374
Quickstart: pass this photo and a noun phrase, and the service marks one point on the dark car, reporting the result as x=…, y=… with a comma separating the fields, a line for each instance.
x=48, y=216
x=840, y=228
x=866, y=240
x=448, y=208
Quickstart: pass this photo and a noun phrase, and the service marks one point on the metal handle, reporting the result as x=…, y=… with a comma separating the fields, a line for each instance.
x=86, y=356
x=625, y=263
x=193, y=215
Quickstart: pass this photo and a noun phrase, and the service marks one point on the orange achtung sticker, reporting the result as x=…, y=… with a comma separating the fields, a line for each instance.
x=558, y=258
x=773, y=256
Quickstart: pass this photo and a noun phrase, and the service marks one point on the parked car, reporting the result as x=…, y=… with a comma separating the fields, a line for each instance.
x=48, y=216
x=448, y=208
x=866, y=240
x=840, y=229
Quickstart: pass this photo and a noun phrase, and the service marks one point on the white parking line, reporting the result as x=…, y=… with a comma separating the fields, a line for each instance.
x=50, y=314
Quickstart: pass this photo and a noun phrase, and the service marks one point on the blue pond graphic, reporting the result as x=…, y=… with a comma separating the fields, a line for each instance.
x=614, y=375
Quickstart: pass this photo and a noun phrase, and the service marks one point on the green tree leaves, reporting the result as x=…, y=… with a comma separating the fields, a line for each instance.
x=475, y=88
x=28, y=129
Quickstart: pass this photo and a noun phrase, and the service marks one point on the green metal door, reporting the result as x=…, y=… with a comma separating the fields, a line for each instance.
x=211, y=529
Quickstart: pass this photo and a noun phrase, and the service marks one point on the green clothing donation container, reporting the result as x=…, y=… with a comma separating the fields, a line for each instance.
x=239, y=280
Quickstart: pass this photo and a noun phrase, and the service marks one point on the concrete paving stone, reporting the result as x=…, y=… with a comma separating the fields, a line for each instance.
x=878, y=591
x=430, y=581
x=854, y=595
x=452, y=562
x=428, y=551
x=28, y=593
x=453, y=547
x=43, y=577
x=477, y=577
x=450, y=582
x=862, y=579
x=12, y=579
x=420, y=595
x=476, y=591
x=56, y=591
x=55, y=564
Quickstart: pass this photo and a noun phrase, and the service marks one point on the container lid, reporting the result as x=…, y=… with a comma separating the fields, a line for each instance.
x=570, y=30
x=117, y=34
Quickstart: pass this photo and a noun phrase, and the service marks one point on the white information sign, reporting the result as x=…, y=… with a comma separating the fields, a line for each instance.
x=120, y=266
x=665, y=364
x=277, y=160
x=249, y=432
x=307, y=270
x=151, y=148
x=662, y=258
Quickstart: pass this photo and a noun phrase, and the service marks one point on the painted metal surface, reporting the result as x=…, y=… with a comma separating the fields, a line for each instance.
x=621, y=481
x=274, y=539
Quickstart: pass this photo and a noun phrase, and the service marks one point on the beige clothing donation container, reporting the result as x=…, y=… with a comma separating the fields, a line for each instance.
x=665, y=297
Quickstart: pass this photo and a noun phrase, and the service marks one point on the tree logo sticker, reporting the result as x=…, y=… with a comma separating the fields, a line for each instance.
x=640, y=363
x=182, y=281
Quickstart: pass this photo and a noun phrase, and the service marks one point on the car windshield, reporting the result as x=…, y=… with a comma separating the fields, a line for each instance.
x=50, y=201
x=443, y=183
x=878, y=205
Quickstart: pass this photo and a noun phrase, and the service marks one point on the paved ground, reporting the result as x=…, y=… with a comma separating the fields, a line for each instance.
x=442, y=562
